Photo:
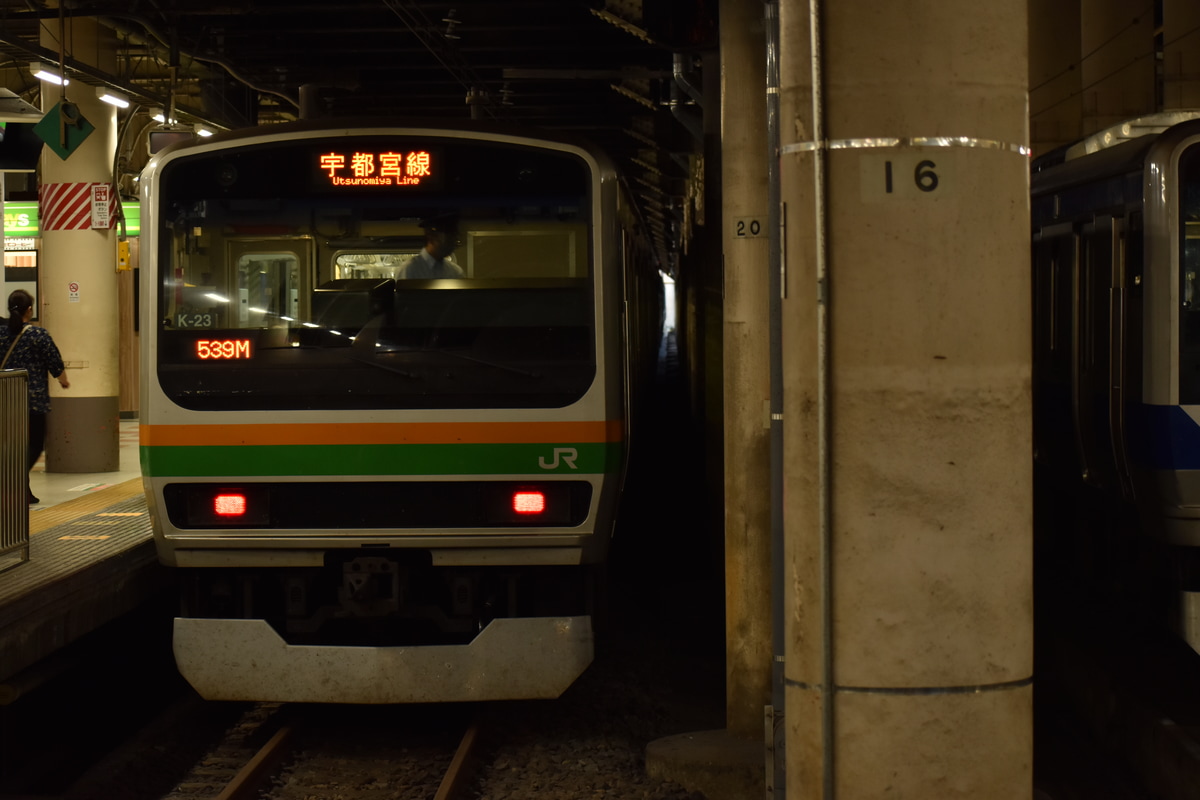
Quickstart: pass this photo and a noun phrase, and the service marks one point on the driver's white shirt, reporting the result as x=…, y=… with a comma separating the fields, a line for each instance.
x=424, y=266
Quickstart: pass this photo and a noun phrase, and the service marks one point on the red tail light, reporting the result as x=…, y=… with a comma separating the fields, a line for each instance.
x=204, y=505
x=527, y=502
x=229, y=505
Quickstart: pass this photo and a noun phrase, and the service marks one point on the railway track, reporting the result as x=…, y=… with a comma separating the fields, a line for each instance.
x=183, y=748
x=285, y=752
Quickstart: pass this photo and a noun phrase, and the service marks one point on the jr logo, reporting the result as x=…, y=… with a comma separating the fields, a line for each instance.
x=567, y=455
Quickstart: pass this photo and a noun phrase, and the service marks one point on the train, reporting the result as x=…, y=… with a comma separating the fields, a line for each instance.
x=1116, y=345
x=375, y=487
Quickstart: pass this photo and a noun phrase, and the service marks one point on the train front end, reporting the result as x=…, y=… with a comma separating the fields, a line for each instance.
x=1165, y=437
x=380, y=484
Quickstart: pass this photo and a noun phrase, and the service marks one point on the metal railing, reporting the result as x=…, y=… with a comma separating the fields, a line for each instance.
x=14, y=477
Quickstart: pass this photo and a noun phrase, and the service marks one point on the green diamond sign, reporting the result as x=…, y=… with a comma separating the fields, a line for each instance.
x=63, y=129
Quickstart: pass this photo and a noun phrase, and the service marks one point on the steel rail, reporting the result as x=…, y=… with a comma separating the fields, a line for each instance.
x=249, y=779
x=462, y=766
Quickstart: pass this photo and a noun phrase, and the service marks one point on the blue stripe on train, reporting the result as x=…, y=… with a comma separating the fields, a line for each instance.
x=1165, y=437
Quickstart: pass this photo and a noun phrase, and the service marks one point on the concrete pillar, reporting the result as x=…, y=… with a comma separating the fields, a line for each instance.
x=747, y=370
x=1055, y=92
x=1181, y=54
x=1118, y=63
x=79, y=287
x=908, y=521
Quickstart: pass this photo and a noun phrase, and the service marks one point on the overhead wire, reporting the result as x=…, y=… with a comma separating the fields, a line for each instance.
x=1077, y=64
x=419, y=25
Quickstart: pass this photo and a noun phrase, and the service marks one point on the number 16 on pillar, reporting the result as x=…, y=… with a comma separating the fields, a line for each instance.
x=905, y=175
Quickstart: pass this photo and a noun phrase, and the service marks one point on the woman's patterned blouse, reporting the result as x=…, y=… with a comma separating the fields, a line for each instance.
x=37, y=354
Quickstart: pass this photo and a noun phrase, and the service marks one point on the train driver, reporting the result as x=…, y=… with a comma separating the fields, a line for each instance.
x=441, y=237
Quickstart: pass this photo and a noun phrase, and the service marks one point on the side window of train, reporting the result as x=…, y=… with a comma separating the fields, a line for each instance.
x=1053, y=260
x=1097, y=265
x=1191, y=269
x=1189, y=214
x=1133, y=255
x=1044, y=268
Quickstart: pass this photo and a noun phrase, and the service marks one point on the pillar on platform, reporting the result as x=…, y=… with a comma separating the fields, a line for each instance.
x=907, y=433
x=78, y=277
x=746, y=369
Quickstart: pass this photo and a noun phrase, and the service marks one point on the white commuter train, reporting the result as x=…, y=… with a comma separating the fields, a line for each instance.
x=380, y=489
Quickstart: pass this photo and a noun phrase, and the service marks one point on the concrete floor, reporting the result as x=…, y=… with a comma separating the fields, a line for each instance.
x=52, y=488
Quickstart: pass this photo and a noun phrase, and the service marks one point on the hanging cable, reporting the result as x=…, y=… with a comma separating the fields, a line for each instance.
x=824, y=406
x=775, y=291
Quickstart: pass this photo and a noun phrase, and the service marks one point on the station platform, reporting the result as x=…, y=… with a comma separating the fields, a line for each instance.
x=54, y=488
x=91, y=560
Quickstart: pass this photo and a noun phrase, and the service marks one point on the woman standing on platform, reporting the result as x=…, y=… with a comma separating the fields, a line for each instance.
x=30, y=348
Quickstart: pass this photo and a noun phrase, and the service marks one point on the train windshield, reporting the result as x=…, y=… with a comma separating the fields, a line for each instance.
x=375, y=272
x=1189, y=289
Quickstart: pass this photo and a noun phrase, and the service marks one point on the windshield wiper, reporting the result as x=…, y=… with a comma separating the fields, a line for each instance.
x=365, y=343
x=368, y=338
x=495, y=364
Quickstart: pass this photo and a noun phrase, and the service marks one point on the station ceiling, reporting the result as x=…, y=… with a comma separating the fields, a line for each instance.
x=625, y=73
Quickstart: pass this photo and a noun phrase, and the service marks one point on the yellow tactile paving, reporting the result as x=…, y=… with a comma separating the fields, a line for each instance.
x=92, y=501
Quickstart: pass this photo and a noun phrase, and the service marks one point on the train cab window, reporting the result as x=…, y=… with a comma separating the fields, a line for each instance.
x=268, y=289
x=302, y=297
x=542, y=251
x=360, y=265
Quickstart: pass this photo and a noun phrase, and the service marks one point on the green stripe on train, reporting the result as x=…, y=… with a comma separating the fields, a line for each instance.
x=381, y=459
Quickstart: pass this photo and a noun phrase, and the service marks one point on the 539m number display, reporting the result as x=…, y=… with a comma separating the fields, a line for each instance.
x=208, y=349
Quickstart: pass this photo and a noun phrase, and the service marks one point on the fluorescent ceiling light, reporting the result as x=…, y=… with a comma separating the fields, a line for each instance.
x=112, y=97
x=203, y=131
x=48, y=74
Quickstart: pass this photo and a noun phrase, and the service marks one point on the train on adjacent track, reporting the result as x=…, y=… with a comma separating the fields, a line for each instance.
x=1116, y=341
x=378, y=488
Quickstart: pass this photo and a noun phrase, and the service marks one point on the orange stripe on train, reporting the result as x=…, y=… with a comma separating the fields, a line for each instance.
x=380, y=433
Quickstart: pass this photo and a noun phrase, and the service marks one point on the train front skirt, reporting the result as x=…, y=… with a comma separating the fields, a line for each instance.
x=510, y=659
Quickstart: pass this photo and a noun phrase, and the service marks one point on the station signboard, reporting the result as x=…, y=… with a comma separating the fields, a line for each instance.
x=21, y=219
